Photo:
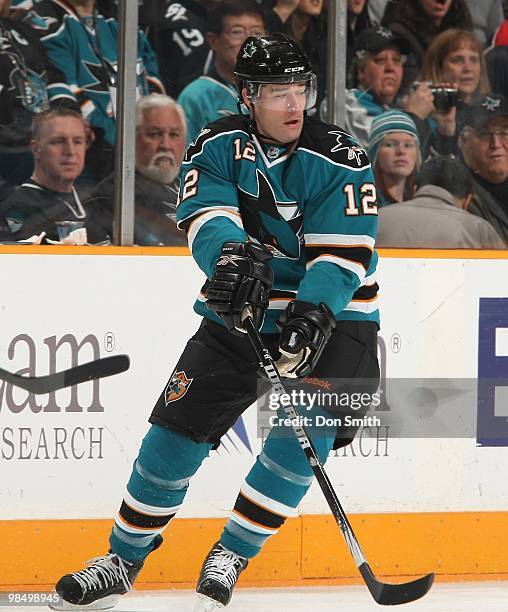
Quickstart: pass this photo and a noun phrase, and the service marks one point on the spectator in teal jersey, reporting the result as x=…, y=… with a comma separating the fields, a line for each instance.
x=83, y=44
x=214, y=95
x=29, y=85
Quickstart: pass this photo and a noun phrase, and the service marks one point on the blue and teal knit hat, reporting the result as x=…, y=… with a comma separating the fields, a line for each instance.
x=386, y=123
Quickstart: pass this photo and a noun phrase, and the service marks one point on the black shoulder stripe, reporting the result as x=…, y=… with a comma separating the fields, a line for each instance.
x=359, y=254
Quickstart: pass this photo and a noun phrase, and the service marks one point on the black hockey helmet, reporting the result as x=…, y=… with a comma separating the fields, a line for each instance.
x=274, y=58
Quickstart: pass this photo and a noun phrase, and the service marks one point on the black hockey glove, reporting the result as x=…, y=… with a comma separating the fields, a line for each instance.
x=304, y=331
x=240, y=284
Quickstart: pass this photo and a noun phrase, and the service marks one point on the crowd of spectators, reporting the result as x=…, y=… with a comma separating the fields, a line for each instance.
x=426, y=96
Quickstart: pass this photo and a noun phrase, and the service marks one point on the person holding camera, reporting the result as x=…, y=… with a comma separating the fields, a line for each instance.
x=455, y=58
x=376, y=76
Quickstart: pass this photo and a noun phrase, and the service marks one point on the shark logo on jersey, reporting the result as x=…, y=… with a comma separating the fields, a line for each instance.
x=249, y=50
x=273, y=223
x=346, y=143
x=177, y=387
x=176, y=12
x=491, y=104
x=101, y=74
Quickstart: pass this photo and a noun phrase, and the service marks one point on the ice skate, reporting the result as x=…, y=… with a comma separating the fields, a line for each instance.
x=99, y=585
x=218, y=577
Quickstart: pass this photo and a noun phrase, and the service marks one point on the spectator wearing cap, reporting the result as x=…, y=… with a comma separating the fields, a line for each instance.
x=483, y=142
x=376, y=76
x=394, y=152
x=437, y=216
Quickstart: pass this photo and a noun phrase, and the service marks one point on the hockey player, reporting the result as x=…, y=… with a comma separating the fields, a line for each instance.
x=280, y=214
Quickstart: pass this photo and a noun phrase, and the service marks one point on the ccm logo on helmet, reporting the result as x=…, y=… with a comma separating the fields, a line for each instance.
x=297, y=69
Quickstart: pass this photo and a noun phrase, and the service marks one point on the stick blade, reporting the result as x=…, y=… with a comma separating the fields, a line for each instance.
x=395, y=594
x=100, y=368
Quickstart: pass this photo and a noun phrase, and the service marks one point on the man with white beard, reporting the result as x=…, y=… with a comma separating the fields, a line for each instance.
x=160, y=146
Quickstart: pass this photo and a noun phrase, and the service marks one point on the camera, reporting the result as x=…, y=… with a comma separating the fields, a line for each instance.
x=444, y=97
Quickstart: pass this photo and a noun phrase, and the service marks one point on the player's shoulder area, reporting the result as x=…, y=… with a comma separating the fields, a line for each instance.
x=217, y=134
x=332, y=144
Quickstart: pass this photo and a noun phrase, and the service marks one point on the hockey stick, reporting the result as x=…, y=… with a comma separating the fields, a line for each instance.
x=384, y=594
x=100, y=368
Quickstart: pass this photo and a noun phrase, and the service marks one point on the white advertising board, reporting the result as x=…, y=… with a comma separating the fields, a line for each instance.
x=69, y=454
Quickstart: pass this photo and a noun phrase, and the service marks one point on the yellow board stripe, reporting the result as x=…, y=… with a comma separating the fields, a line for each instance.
x=10, y=249
x=308, y=549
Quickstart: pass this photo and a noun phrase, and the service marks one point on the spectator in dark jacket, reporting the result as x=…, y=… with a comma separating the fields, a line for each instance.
x=305, y=22
x=50, y=196
x=160, y=144
x=483, y=141
x=357, y=20
x=497, y=66
x=419, y=21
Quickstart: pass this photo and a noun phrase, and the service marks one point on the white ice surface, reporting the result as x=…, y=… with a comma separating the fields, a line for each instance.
x=464, y=597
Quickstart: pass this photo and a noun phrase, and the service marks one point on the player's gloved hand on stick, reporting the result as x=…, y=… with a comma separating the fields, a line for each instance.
x=304, y=331
x=240, y=284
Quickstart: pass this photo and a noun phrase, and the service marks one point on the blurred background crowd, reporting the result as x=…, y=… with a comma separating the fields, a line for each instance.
x=426, y=96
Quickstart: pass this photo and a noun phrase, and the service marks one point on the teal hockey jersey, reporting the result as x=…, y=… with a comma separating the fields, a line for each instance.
x=206, y=99
x=314, y=208
x=85, y=50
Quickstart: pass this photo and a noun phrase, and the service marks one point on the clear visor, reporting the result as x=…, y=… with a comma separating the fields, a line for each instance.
x=286, y=97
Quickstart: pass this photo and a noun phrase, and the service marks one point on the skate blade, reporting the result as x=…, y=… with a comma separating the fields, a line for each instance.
x=106, y=603
x=205, y=604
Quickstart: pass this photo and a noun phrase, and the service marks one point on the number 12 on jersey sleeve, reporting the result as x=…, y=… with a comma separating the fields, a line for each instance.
x=367, y=205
